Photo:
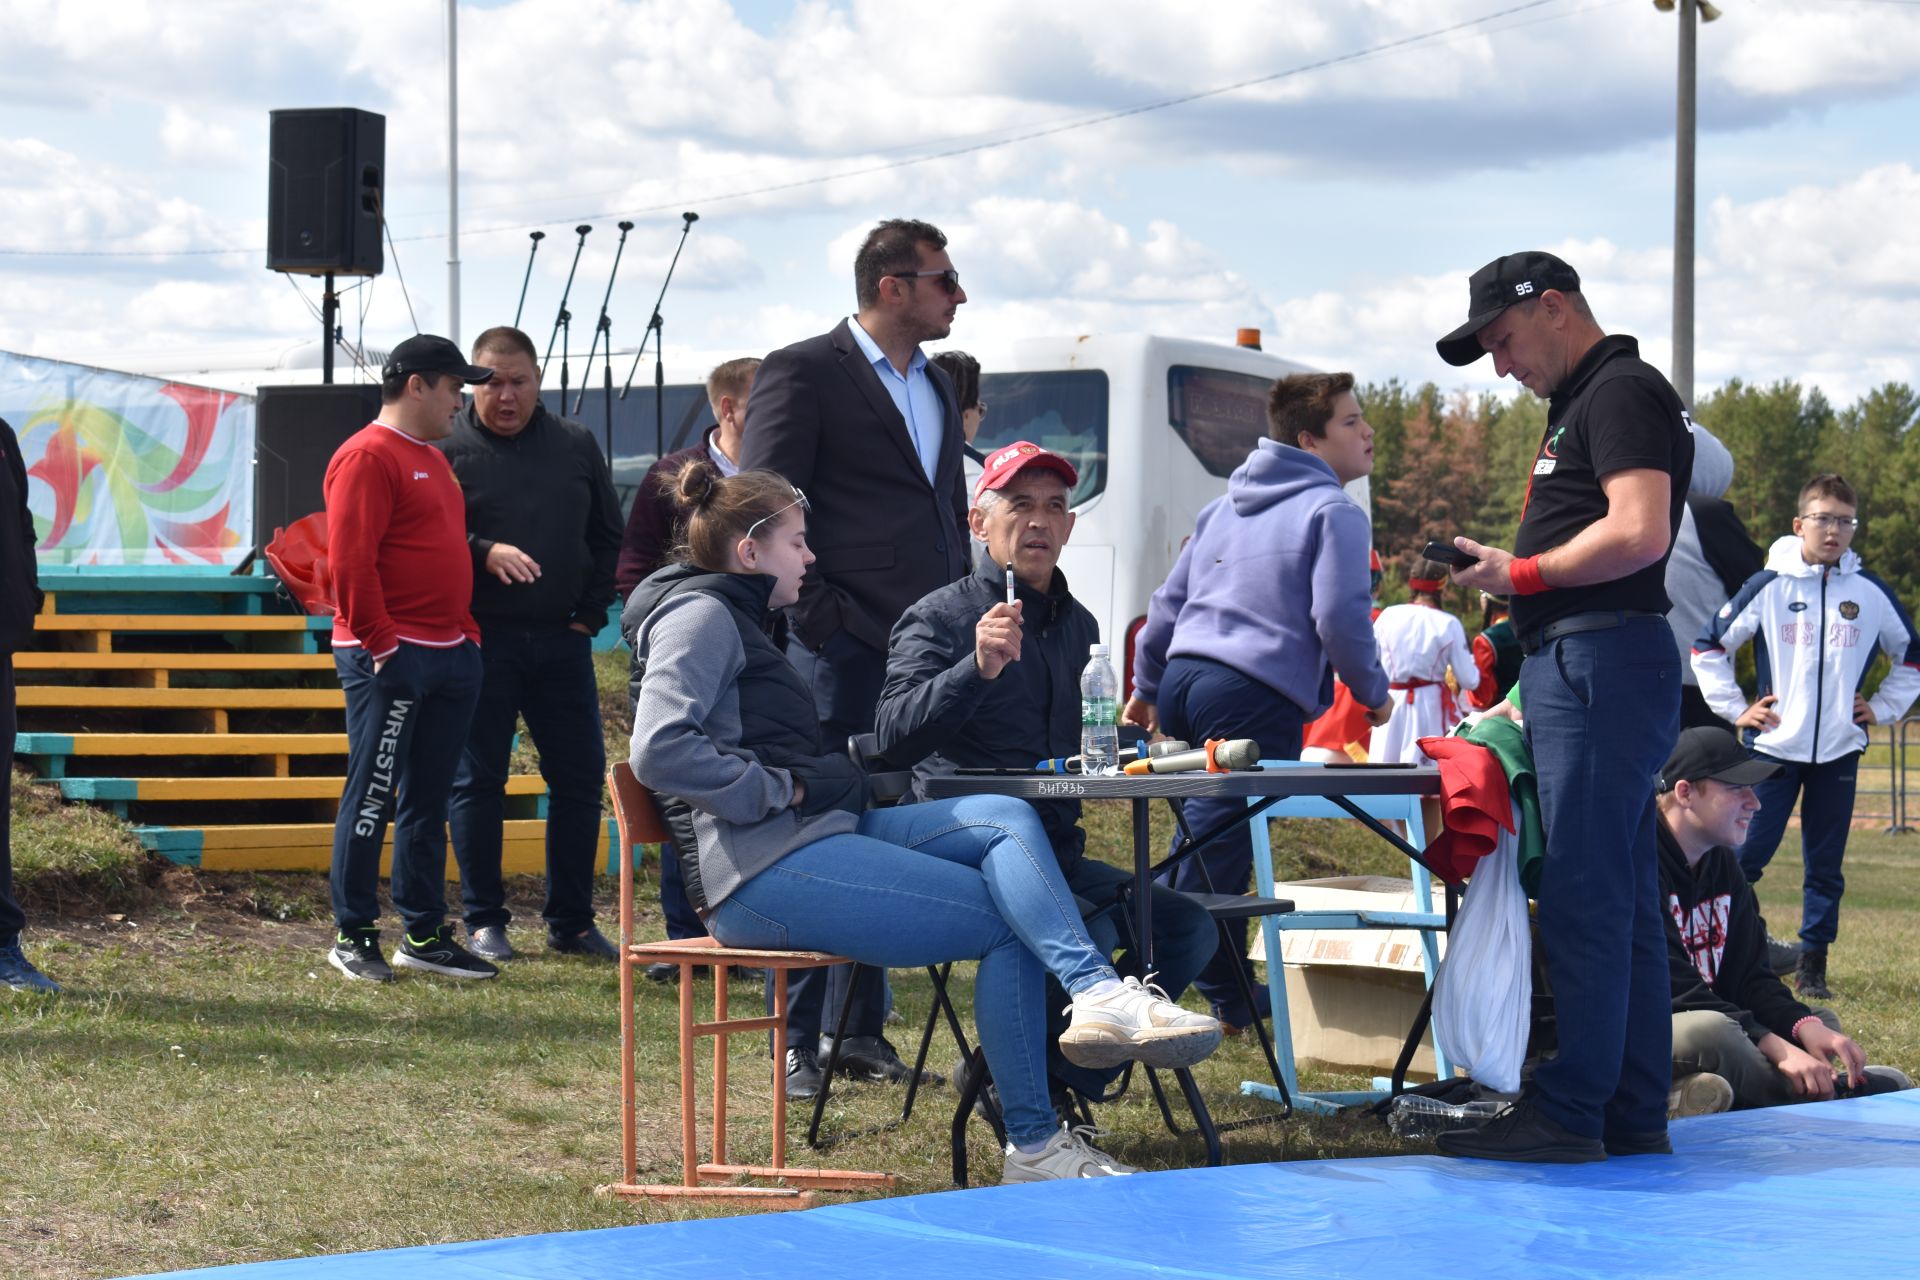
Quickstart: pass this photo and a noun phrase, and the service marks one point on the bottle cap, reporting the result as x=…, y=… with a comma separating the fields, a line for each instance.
x=1097, y=651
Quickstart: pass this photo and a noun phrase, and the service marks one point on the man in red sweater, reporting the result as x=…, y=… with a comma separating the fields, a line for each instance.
x=408, y=654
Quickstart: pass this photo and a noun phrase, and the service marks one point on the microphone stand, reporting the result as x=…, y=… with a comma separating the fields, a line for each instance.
x=604, y=326
x=538, y=236
x=656, y=329
x=563, y=322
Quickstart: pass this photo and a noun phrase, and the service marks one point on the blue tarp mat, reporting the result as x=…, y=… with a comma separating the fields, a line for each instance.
x=1828, y=1189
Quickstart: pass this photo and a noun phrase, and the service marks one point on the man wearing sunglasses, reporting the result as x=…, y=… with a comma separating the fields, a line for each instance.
x=1818, y=619
x=870, y=429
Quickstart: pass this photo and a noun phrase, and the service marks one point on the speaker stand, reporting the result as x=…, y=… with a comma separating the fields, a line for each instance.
x=329, y=312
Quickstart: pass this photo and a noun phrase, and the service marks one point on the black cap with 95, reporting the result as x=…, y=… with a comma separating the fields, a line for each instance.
x=1518, y=277
x=1707, y=752
x=428, y=353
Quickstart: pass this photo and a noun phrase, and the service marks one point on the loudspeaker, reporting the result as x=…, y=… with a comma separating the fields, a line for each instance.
x=325, y=182
x=296, y=431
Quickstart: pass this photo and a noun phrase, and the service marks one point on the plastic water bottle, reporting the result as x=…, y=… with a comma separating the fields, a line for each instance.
x=1099, y=701
x=1414, y=1115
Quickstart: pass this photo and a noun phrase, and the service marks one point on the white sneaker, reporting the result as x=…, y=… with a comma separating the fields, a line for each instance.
x=1698, y=1093
x=1135, y=1022
x=1066, y=1155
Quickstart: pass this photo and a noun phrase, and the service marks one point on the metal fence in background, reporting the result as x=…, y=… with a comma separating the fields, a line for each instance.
x=1886, y=758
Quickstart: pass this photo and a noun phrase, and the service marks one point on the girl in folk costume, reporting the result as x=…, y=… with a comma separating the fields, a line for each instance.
x=1419, y=641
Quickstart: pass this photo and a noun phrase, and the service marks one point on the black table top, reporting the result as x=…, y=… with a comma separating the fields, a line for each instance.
x=1296, y=780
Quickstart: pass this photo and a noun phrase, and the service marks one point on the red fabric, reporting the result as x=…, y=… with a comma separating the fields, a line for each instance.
x=1526, y=577
x=1487, y=694
x=298, y=554
x=1343, y=722
x=1435, y=585
x=397, y=536
x=1475, y=805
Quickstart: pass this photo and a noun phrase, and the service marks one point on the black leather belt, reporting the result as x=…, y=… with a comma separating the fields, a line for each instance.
x=1574, y=623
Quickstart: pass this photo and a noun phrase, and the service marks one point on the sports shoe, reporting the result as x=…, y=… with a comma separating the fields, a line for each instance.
x=1524, y=1134
x=20, y=973
x=590, y=942
x=489, y=942
x=439, y=953
x=1699, y=1093
x=1875, y=1080
x=358, y=956
x=1135, y=1022
x=1810, y=978
x=661, y=971
x=1651, y=1143
x=1067, y=1154
x=1782, y=957
x=873, y=1059
x=804, y=1076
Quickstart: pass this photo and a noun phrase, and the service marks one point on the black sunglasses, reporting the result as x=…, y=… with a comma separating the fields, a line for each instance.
x=949, y=279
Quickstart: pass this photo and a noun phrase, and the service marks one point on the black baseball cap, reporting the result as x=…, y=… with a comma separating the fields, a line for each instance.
x=1497, y=286
x=429, y=353
x=1707, y=752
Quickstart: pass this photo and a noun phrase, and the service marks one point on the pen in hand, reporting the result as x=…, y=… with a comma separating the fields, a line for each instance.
x=1009, y=583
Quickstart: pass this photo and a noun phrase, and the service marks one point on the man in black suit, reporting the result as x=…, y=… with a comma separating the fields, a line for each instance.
x=860, y=421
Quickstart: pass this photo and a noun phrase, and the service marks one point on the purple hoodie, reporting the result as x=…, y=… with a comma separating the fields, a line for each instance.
x=1273, y=583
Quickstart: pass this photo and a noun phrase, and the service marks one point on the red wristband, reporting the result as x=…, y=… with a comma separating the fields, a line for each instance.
x=1525, y=574
x=1803, y=1022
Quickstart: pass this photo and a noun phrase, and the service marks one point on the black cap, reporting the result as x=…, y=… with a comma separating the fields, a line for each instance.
x=428, y=353
x=1497, y=286
x=1707, y=752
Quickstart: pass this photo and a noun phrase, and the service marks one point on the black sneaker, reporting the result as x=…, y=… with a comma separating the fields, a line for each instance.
x=1810, y=979
x=1782, y=957
x=358, y=956
x=804, y=1076
x=591, y=943
x=873, y=1059
x=1522, y=1133
x=439, y=953
x=661, y=971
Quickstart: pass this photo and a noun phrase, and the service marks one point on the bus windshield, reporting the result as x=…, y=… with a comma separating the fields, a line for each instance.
x=1064, y=411
x=1219, y=416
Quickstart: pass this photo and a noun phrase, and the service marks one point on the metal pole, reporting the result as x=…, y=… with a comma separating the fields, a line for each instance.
x=329, y=310
x=453, y=170
x=1683, y=131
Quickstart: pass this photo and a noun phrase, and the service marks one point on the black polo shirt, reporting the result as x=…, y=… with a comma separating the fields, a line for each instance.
x=1614, y=412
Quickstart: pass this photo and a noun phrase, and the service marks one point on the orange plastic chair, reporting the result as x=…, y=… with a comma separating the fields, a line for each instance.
x=639, y=823
x=298, y=555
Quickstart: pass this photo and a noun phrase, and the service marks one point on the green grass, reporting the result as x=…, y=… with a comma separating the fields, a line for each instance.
x=208, y=1091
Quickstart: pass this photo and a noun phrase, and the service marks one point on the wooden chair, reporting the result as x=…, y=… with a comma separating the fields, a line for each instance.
x=639, y=823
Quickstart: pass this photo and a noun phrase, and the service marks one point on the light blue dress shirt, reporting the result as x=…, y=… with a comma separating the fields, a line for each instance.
x=913, y=395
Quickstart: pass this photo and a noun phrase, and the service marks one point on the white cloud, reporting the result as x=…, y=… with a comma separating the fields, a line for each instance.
x=52, y=201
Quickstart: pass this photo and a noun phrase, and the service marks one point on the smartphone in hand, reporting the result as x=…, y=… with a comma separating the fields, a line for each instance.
x=1448, y=554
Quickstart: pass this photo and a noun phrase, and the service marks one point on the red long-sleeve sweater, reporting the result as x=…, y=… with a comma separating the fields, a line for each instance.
x=397, y=540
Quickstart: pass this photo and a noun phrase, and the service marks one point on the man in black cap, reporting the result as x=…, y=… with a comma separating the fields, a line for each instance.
x=1601, y=693
x=408, y=654
x=1740, y=1038
x=545, y=531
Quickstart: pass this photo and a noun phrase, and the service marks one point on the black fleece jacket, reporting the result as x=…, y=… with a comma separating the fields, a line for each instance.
x=1717, y=943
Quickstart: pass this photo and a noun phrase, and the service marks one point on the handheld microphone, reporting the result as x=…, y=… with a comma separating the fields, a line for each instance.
x=1220, y=755
x=1071, y=764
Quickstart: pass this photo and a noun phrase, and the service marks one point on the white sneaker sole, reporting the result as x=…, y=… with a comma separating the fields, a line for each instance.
x=401, y=960
x=1166, y=1048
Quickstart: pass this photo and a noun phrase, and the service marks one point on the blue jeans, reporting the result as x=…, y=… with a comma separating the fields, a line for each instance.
x=921, y=884
x=1184, y=940
x=405, y=727
x=1825, y=792
x=12, y=919
x=1201, y=699
x=1602, y=713
x=543, y=672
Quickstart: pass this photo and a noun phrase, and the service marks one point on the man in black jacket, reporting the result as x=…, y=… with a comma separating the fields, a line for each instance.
x=19, y=602
x=544, y=527
x=1740, y=1038
x=862, y=422
x=975, y=682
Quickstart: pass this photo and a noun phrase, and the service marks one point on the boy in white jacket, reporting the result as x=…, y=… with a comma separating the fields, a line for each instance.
x=1819, y=619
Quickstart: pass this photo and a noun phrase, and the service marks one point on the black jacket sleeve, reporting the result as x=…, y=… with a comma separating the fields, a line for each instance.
x=603, y=542
x=932, y=687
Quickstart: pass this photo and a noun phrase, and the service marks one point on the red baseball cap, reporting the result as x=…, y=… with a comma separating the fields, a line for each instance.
x=1003, y=464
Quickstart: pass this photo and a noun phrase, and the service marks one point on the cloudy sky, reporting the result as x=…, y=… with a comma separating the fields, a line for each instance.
x=1327, y=170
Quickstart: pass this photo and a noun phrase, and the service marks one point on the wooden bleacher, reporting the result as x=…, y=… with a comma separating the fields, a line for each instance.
x=200, y=707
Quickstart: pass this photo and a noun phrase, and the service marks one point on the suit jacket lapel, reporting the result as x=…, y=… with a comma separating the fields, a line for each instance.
x=854, y=360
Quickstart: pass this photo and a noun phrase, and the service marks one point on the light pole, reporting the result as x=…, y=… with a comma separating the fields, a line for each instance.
x=1683, y=136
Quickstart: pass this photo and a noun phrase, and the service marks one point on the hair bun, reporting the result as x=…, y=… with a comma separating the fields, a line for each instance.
x=695, y=484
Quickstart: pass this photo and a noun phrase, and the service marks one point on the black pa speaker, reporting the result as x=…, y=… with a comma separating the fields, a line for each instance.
x=296, y=431
x=325, y=182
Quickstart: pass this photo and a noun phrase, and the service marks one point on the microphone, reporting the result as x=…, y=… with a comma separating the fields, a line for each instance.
x=1221, y=755
x=1071, y=764
x=691, y=218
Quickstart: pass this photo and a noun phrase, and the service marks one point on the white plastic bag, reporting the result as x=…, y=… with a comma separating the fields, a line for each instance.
x=1483, y=993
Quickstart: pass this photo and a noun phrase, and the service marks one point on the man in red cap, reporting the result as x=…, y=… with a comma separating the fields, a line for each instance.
x=974, y=681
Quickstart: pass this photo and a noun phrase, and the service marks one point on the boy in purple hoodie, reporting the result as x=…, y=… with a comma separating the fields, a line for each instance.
x=1267, y=602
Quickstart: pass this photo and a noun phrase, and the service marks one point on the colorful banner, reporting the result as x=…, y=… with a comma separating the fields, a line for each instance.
x=128, y=470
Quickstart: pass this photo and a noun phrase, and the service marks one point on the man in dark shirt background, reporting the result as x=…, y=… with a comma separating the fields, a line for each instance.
x=544, y=527
x=1600, y=691
x=19, y=602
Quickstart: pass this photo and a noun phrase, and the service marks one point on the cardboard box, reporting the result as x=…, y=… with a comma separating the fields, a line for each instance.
x=1352, y=993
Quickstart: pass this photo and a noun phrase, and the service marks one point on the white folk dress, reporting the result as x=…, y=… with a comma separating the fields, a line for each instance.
x=1417, y=645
